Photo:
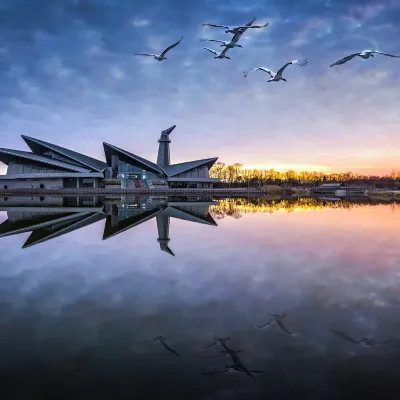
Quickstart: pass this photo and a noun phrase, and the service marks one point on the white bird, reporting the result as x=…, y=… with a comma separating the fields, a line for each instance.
x=229, y=45
x=160, y=57
x=365, y=54
x=237, y=29
x=221, y=54
x=239, y=33
x=277, y=76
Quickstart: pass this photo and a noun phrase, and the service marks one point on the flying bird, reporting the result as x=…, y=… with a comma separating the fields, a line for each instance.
x=365, y=342
x=161, y=339
x=220, y=55
x=365, y=54
x=243, y=30
x=161, y=56
x=229, y=45
x=235, y=38
x=277, y=76
x=237, y=29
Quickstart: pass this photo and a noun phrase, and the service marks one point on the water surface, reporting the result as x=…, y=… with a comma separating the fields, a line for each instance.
x=96, y=276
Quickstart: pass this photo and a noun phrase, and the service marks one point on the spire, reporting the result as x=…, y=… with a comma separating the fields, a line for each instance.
x=163, y=159
x=163, y=233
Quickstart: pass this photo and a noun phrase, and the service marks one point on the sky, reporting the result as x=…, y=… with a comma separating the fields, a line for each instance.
x=68, y=75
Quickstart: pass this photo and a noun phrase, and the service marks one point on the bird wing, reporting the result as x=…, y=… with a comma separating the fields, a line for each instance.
x=216, y=26
x=374, y=344
x=214, y=372
x=250, y=22
x=145, y=54
x=279, y=322
x=237, y=35
x=255, y=26
x=268, y=71
x=345, y=337
x=345, y=59
x=170, y=47
x=242, y=368
x=213, y=344
x=223, y=52
x=169, y=349
x=385, y=54
x=212, y=40
x=235, y=359
x=301, y=61
x=259, y=371
x=264, y=325
x=211, y=50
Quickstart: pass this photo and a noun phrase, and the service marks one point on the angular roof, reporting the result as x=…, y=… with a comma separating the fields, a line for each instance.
x=109, y=150
x=13, y=226
x=176, y=169
x=188, y=215
x=128, y=223
x=50, y=232
x=7, y=154
x=39, y=147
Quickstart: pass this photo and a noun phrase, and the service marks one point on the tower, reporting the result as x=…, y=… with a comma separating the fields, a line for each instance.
x=163, y=158
x=163, y=233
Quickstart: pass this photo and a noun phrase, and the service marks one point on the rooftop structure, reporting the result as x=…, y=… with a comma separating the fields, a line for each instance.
x=48, y=218
x=51, y=166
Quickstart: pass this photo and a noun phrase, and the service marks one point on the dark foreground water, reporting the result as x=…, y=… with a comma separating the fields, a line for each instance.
x=95, y=277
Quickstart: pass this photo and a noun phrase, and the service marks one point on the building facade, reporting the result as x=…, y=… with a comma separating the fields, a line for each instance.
x=50, y=166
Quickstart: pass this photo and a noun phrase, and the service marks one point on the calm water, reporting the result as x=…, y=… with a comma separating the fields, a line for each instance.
x=74, y=306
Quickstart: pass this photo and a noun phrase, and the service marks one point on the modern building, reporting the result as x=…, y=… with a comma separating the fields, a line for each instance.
x=51, y=166
x=50, y=217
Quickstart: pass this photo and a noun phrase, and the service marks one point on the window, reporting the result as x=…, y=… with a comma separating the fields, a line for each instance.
x=87, y=182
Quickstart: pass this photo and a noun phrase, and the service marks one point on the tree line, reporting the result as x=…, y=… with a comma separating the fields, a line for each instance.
x=237, y=207
x=236, y=176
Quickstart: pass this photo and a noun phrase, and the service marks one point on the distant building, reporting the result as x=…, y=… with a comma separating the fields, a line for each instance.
x=51, y=166
x=341, y=188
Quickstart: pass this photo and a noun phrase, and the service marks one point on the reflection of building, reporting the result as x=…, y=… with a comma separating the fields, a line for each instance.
x=48, y=218
x=52, y=166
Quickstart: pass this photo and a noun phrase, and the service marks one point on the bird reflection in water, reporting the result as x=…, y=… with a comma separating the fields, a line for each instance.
x=364, y=342
x=161, y=339
x=237, y=365
x=278, y=320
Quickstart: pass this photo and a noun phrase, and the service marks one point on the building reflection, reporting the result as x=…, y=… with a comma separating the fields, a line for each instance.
x=51, y=217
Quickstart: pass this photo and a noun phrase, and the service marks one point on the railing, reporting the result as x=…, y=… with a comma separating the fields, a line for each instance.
x=99, y=191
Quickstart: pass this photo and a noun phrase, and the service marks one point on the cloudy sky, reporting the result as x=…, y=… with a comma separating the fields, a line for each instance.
x=69, y=76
